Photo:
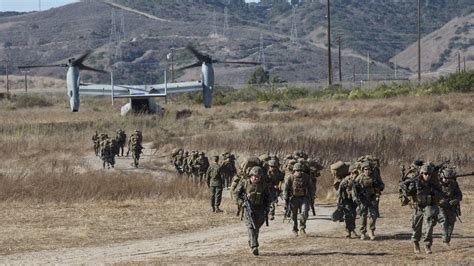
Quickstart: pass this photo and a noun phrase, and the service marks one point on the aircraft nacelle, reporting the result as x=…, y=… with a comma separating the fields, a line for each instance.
x=207, y=76
x=73, y=81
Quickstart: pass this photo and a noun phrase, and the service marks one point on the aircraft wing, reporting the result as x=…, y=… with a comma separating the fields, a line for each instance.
x=139, y=91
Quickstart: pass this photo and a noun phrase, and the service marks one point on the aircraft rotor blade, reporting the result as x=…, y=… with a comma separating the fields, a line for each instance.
x=201, y=57
x=84, y=67
x=37, y=66
x=78, y=61
x=197, y=64
x=237, y=62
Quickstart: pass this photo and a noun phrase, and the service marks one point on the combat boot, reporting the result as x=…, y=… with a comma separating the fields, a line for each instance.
x=295, y=232
x=371, y=235
x=272, y=217
x=218, y=210
x=416, y=247
x=446, y=244
x=302, y=232
x=255, y=251
x=348, y=234
x=363, y=236
x=428, y=250
x=355, y=234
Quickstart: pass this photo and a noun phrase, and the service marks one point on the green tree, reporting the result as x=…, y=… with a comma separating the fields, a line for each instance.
x=259, y=76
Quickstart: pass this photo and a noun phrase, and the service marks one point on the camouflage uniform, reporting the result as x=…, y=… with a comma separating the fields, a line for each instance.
x=185, y=164
x=259, y=199
x=228, y=169
x=176, y=158
x=135, y=145
x=214, y=182
x=365, y=187
x=121, y=139
x=346, y=202
x=275, y=178
x=96, y=141
x=339, y=170
x=297, y=191
x=203, y=163
x=243, y=174
x=427, y=192
x=450, y=203
x=107, y=154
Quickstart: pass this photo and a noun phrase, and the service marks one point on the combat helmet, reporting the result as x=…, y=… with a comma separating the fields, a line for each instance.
x=298, y=167
x=449, y=172
x=273, y=163
x=256, y=171
x=426, y=168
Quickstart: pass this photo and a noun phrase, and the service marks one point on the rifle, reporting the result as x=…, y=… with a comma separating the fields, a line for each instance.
x=287, y=211
x=462, y=175
x=265, y=213
x=312, y=205
x=248, y=209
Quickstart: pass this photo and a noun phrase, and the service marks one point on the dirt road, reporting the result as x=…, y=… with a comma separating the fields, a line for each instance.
x=215, y=241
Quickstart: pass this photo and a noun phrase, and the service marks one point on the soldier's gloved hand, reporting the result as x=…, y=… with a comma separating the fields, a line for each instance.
x=443, y=202
x=454, y=202
x=240, y=202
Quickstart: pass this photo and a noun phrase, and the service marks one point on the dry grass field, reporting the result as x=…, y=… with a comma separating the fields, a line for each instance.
x=51, y=199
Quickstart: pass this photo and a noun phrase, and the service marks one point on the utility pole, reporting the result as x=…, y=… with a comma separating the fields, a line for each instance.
x=464, y=59
x=25, y=71
x=353, y=74
x=396, y=69
x=8, y=81
x=261, y=54
x=368, y=66
x=340, y=62
x=419, y=41
x=459, y=62
x=226, y=22
x=329, y=43
x=170, y=58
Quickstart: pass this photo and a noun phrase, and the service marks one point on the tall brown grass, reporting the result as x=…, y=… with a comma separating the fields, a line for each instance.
x=397, y=131
x=64, y=185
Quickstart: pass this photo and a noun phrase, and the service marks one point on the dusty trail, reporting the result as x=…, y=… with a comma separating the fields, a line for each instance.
x=124, y=164
x=207, y=242
x=218, y=240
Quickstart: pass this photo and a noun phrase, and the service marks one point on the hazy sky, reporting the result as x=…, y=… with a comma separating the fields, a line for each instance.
x=33, y=5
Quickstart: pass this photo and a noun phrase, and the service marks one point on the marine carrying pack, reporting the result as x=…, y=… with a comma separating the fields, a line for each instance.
x=300, y=184
x=340, y=169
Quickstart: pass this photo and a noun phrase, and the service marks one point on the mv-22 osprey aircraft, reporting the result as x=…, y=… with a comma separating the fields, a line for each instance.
x=141, y=96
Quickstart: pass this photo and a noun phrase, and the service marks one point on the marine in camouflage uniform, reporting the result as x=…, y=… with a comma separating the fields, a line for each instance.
x=177, y=157
x=243, y=174
x=228, y=169
x=297, y=192
x=426, y=192
x=275, y=178
x=185, y=164
x=215, y=182
x=135, y=145
x=346, y=202
x=450, y=203
x=121, y=139
x=96, y=142
x=259, y=198
x=203, y=163
x=365, y=187
x=107, y=154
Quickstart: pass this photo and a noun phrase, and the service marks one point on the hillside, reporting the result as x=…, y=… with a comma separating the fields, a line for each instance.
x=440, y=48
x=150, y=29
